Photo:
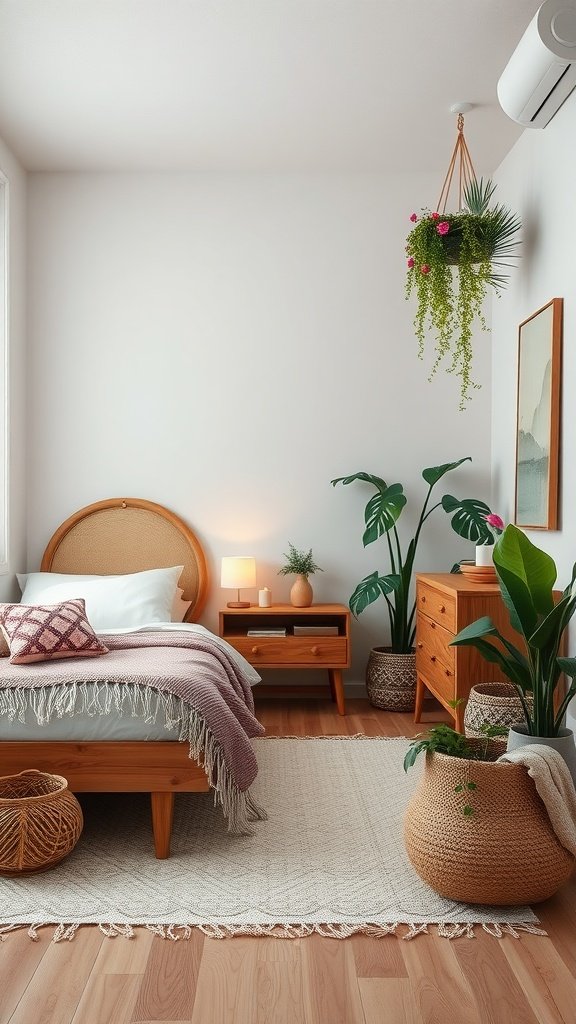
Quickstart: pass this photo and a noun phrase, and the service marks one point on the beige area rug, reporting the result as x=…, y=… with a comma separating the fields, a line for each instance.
x=330, y=858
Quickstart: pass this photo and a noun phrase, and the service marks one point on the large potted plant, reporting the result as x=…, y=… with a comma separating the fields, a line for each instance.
x=391, y=671
x=476, y=242
x=526, y=576
x=475, y=829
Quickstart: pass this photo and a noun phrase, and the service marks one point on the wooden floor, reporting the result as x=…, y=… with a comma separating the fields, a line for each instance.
x=95, y=980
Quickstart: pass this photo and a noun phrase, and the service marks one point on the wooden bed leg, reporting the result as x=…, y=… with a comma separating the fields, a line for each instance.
x=162, y=814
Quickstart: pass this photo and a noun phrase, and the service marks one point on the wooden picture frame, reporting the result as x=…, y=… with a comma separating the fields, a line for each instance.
x=538, y=418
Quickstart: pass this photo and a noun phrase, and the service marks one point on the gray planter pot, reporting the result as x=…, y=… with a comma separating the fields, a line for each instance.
x=563, y=743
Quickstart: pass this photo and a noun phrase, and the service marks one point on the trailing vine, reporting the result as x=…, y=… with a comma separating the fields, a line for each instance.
x=451, y=264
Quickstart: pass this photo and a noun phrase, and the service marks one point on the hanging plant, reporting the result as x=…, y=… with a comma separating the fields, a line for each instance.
x=452, y=261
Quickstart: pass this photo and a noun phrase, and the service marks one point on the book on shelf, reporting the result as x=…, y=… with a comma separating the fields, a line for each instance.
x=315, y=630
x=281, y=631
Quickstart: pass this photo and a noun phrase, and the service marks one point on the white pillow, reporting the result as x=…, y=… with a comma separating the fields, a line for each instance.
x=179, y=607
x=112, y=602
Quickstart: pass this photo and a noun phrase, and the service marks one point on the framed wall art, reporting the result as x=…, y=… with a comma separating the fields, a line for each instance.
x=538, y=418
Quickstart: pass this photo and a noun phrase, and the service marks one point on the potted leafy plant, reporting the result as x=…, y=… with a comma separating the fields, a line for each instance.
x=526, y=576
x=475, y=827
x=391, y=673
x=476, y=241
x=302, y=565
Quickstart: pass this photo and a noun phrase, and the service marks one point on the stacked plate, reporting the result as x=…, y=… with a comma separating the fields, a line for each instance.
x=478, y=573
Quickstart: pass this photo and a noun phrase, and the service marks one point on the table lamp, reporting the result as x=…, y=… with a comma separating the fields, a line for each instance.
x=238, y=571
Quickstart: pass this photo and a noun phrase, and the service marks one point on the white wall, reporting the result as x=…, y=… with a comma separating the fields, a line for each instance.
x=226, y=345
x=16, y=371
x=537, y=180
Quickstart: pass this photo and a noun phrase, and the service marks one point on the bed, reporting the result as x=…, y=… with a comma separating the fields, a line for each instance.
x=114, y=537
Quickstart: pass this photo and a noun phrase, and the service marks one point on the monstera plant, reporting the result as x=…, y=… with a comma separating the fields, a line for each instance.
x=381, y=515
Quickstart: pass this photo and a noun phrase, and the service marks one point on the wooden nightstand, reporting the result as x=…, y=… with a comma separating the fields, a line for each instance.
x=331, y=651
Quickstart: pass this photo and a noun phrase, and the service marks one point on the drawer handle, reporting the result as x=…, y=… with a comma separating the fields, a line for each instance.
x=255, y=650
x=419, y=645
x=442, y=607
x=432, y=657
x=433, y=625
x=448, y=672
x=423, y=599
x=315, y=650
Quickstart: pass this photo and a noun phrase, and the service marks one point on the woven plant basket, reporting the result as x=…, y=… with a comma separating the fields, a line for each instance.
x=495, y=703
x=391, y=680
x=40, y=822
x=504, y=853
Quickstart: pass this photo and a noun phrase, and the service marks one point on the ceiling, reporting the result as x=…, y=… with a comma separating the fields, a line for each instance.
x=339, y=85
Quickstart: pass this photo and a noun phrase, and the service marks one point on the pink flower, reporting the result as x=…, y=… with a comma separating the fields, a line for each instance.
x=443, y=227
x=495, y=523
x=414, y=218
x=435, y=216
x=425, y=269
x=411, y=262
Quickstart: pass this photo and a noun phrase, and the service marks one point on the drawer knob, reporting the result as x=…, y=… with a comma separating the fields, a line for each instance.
x=447, y=671
x=433, y=625
x=442, y=607
x=315, y=650
x=255, y=650
x=432, y=657
x=419, y=645
x=423, y=599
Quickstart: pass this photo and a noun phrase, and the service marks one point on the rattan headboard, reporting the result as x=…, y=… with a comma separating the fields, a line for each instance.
x=122, y=535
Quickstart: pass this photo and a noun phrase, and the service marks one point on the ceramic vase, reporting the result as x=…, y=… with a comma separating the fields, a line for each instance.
x=301, y=593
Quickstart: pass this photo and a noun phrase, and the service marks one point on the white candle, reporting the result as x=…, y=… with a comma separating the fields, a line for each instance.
x=265, y=598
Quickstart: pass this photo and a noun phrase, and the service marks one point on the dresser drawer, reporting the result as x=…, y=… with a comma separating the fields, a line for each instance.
x=438, y=676
x=437, y=605
x=310, y=651
x=435, y=639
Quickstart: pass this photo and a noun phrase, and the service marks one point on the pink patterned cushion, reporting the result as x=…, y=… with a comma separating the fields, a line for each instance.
x=49, y=631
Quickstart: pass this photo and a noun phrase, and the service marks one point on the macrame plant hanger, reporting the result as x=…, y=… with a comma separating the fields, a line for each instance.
x=466, y=174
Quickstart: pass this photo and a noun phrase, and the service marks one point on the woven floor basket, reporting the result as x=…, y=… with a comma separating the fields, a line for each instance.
x=391, y=680
x=495, y=703
x=40, y=822
x=504, y=853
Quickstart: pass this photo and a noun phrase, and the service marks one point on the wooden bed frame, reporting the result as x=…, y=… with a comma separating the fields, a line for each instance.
x=122, y=535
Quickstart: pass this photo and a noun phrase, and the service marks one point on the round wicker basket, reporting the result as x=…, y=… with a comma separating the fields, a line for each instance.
x=494, y=703
x=504, y=853
x=391, y=679
x=40, y=822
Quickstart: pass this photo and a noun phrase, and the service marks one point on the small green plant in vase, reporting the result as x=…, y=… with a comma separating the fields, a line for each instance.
x=302, y=565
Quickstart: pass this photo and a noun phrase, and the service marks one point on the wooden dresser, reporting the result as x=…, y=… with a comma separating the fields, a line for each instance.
x=445, y=603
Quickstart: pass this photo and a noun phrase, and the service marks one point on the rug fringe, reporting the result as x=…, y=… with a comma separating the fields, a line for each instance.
x=174, y=932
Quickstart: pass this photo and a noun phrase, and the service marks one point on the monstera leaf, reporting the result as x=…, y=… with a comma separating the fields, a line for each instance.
x=469, y=519
x=382, y=511
x=370, y=589
x=435, y=473
x=384, y=507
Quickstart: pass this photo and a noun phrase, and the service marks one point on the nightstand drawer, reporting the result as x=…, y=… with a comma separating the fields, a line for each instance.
x=437, y=605
x=293, y=650
x=435, y=639
x=438, y=675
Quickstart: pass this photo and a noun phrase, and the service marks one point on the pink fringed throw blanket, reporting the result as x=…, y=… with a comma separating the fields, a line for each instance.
x=188, y=679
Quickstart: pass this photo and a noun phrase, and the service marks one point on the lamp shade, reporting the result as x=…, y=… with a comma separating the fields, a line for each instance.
x=238, y=571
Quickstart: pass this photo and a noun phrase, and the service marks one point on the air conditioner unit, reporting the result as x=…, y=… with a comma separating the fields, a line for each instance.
x=541, y=72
